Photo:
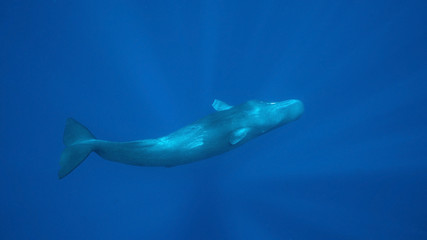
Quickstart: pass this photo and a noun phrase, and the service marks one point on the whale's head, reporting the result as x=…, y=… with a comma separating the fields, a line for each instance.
x=287, y=111
x=269, y=115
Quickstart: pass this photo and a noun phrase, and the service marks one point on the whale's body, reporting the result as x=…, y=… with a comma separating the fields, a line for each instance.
x=228, y=128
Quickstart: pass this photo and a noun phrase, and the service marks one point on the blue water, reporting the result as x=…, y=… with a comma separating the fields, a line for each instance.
x=353, y=167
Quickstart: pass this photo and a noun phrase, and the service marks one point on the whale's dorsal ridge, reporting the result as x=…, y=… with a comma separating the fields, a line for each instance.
x=238, y=135
x=220, y=105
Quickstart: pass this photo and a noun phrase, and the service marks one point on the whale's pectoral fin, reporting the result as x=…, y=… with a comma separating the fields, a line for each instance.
x=220, y=105
x=238, y=135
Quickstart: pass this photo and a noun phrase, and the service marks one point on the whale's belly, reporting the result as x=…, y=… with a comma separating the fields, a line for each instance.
x=188, y=144
x=193, y=143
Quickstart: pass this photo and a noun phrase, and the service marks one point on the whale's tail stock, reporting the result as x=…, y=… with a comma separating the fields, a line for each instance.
x=79, y=144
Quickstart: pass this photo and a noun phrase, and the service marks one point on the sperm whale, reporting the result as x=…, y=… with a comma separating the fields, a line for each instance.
x=221, y=131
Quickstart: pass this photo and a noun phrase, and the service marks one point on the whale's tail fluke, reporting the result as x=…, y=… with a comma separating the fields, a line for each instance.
x=77, y=139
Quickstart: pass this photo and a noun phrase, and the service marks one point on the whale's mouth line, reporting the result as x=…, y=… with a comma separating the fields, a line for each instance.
x=284, y=104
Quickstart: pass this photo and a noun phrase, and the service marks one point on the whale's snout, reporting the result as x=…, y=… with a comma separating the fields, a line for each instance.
x=292, y=109
x=296, y=109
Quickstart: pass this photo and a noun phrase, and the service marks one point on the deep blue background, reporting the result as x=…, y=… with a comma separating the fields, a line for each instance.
x=353, y=167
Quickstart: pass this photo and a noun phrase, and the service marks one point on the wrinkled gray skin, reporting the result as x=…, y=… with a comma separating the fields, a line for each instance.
x=228, y=128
